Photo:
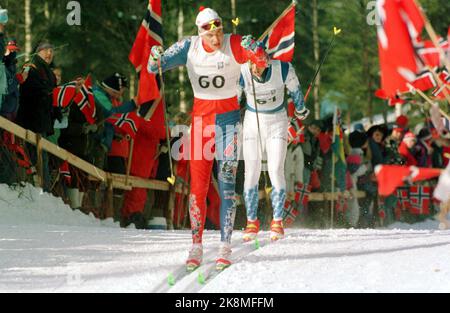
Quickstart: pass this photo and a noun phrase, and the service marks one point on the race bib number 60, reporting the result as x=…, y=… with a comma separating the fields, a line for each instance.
x=205, y=81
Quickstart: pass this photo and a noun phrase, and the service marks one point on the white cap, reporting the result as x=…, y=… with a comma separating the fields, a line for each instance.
x=205, y=16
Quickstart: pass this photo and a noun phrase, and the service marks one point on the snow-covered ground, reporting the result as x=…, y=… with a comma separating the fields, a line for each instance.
x=45, y=247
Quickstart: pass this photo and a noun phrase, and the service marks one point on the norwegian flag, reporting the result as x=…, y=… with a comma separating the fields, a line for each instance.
x=290, y=213
x=420, y=197
x=398, y=36
x=64, y=171
x=430, y=54
x=280, y=40
x=86, y=102
x=424, y=81
x=439, y=92
x=403, y=198
x=390, y=177
x=295, y=132
x=302, y=194
x=127, y=123
x=150, y=34
x=63, y=95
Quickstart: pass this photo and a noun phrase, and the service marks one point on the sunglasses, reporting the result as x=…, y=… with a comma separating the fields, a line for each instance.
x=212, y=25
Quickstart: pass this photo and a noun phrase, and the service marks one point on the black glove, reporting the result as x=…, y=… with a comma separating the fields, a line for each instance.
x=57, y=114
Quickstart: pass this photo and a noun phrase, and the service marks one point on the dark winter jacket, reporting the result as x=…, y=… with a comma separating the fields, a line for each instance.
x=35, y=111
x=10, y=102
x=74, y=140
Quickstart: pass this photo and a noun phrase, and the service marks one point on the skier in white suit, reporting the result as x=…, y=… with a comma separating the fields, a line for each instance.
x=268, y=105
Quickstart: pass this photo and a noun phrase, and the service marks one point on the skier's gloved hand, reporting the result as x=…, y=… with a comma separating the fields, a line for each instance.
x=249, y=43
x=156, y=53
x=89, y=128
x=302, y=114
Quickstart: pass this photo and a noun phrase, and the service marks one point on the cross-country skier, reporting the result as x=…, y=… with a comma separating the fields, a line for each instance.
x=213, y=62
x=266, y=123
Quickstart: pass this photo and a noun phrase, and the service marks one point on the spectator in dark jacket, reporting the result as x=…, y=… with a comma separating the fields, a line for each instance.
x=36, y=112
x=35, y=105
x=424, y=149
x=10, y=101
x=377, y=134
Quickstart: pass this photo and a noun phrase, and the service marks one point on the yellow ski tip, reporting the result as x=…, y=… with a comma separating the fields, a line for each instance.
x=337, y=31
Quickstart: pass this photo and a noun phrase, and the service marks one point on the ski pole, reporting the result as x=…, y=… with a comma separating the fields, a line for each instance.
x=336, y=32
x=170, y=179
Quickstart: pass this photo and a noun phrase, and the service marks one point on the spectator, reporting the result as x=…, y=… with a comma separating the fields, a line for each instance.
x=10, y=101
x=108, y=94
x=79, y=139
x=311, y=150
x=356, y=168
x=392, y=144
x=377, y=134
x=424, y=149
x=406, y=149
x=36, y=112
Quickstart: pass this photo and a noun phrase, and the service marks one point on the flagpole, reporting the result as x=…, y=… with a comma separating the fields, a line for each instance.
x=427, y=99
x=294, y=2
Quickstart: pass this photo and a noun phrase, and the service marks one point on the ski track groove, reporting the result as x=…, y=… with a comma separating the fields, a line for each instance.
x=188, y=282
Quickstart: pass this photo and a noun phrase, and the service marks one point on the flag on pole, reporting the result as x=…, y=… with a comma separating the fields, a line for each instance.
x=279, y=39
x=438, y=93
x=149, y=35
x=391, y=177
x=64, y=94
x=127, y=123
x=86, y=102
x=430, y=54
x=399, y=33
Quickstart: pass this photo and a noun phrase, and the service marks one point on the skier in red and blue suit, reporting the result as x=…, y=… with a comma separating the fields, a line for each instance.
x=213, y=60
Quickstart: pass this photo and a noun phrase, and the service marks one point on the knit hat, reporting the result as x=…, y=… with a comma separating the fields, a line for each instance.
x=359, y=127
x=424, y=134
x=382, y=128
x=409, y=136
x=208, y=20
x=357, y=139
x=115, y=82
x=43, y=46
x=12, y=45
x=402, y=121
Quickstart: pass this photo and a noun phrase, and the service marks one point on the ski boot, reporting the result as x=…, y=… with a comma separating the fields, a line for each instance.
x=223, y=259
x=251, y=231
x=195, y=257
x=276, y=230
